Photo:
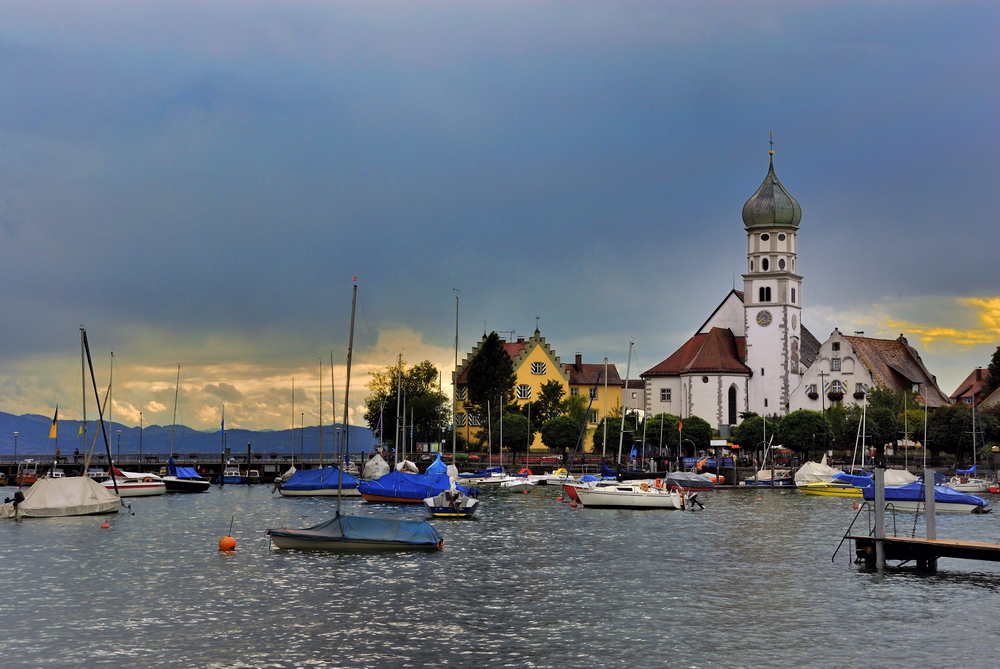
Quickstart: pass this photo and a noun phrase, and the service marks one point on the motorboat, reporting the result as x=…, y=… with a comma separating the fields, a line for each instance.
x=911, y=497
x=452, y=504
x=770, y=478
x=135, y=484
x=635, y=496
x=359, y=533
x=517, y=484
x=232, y=473
x=842, y=484
x=184, y=479
x=27, y=473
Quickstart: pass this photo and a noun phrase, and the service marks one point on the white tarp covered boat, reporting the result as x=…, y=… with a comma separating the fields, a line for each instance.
x=53, y=498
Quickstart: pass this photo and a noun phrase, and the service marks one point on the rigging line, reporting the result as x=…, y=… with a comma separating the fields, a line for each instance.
x=364, y=314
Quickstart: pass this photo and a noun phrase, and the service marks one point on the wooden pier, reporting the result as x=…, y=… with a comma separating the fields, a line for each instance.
x=923, y=552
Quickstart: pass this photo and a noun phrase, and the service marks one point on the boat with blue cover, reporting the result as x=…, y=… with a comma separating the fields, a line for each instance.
x=321, y=482
x=403, y=488
x=359, y=533
x=910, y=497
x=184, y=479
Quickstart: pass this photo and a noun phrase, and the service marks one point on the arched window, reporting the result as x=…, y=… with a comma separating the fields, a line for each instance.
x=764, y=294
x=763, y=264
x=732, y=405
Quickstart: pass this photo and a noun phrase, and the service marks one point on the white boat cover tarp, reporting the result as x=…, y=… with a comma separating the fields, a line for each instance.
x=899, y=477
x=72, y=496
x=815, y=472
x=376, y=467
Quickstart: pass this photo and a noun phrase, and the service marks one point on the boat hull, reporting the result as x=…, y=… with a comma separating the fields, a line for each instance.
x=174, y=484
x=611, y=497
x=370, y=497
x=137, y=489
x=334, y=545
x=830, y=489
x=321, y=492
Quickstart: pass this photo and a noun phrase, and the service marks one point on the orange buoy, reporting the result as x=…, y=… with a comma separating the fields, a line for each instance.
x=573, y=504
x=227, y=544
x=760, y=498
x=855, y=506
x=558, y=499
x=105, y=526
x=525, y=492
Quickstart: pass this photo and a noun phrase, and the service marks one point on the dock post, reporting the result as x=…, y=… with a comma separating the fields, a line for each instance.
x=879, y=519
x=929, y=504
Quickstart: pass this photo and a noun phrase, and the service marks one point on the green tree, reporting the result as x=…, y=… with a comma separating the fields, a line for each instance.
x=421, y=396
x=802, y=431
x=514, y=431
x=696, y=435
x=755, y=432
x=992, y=375
x=561, y=434
x=614, y=432
x=490, y=379
x=661, y=432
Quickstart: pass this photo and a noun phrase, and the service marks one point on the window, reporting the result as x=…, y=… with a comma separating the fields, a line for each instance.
x=811, y=389
x=461, y=392
x=460, y=420
x=835, y=346
x=837, y=387
x=593, y=393
x=574, y=391
x=781, y=238
x=732, y=405
x=634, y=394
x=781, y=263
x=860, y=388
x=835, y=364
x=764, y=237
x=764, y=264
x=593, y=416
x=473, y=420
x=524, y=392
x=704, y=379
x=751, y=265
x=793, y=293
x=664, y=394
x=764, y=294
x=538, y=368
x=765, y=401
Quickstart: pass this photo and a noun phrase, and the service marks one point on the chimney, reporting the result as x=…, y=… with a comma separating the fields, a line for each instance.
x=579, y=360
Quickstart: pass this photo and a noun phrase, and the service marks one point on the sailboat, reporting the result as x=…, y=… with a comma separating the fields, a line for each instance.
x=54, y=497
x=967, y=480
x=182, y=479
x=345, y=532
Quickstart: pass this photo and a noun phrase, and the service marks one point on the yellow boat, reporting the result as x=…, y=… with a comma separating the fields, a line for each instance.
x=830, y=489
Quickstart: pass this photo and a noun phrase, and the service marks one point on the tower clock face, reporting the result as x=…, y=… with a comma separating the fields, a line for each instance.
x=795, y=322
x=763, y=318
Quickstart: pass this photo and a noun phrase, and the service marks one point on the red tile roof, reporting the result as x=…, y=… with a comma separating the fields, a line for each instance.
x=718, y=351
x=972, y=385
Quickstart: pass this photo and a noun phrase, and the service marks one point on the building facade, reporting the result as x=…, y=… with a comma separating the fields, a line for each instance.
x=535, y=364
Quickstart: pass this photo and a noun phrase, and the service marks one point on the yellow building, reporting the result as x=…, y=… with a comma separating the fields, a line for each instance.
x=535, y=364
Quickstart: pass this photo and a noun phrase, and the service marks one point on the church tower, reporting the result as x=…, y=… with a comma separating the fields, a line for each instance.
x=772, y=296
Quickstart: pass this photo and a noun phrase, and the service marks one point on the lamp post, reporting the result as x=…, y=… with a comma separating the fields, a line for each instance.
x=15, y=448
x=822, y=399
x=119, y=445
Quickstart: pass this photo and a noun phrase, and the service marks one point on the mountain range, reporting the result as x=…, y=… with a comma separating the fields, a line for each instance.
x=33, y=438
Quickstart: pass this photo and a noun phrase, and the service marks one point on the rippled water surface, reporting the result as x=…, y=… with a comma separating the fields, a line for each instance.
x=746, y=582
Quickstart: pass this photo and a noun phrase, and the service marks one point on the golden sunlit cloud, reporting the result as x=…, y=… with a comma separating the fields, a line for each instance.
x=973, y=321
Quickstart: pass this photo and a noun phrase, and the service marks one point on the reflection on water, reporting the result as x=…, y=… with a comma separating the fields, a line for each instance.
x=531, y=582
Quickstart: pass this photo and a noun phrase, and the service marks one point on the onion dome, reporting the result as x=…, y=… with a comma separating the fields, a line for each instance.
x=771, y=206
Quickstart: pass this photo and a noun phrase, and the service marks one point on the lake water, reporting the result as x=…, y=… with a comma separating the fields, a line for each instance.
x=746, y=582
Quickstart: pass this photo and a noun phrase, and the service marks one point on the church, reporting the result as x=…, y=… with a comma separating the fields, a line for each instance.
x=754, y=353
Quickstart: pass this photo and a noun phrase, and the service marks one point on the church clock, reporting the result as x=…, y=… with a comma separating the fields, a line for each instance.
x=763, y=318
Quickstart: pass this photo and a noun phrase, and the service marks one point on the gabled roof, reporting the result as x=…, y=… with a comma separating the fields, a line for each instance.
x=587, y=374
x=808, y=347
x=971, y=386
x=717, y=351
x=893, y=363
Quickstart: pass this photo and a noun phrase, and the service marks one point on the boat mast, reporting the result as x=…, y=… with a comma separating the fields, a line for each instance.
x=347, y=395
x=321, y=413
x=621, y=433
x=454, y=389
x=173, y=422
x=83, y=425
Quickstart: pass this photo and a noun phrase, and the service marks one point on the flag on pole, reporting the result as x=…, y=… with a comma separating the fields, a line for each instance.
x=223, y=418
x=55, y=418
x=680, y=426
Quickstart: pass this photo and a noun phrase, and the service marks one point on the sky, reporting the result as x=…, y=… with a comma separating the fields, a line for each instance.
x=199, y=183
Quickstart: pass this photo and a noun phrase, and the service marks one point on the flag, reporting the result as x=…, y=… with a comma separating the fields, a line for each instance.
x=55, y=419
x=223, y=420
x=79, y=432
x=680, y=426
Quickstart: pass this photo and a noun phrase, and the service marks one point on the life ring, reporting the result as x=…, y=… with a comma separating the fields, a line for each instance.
x=525, y=471
x=147, y=480
x=659, y=483
x=644, y=487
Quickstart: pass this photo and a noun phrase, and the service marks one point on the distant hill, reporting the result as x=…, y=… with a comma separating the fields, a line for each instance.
x=33, y=438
